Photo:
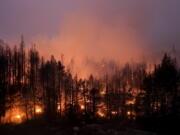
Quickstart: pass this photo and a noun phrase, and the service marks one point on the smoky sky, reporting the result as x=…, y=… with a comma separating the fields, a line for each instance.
x=93, y=27
x=157, y=19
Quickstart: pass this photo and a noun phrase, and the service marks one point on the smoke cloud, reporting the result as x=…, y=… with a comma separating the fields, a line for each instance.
x=91, y=30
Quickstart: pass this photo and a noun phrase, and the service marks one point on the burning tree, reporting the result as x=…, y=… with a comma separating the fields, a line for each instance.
x=31, y=86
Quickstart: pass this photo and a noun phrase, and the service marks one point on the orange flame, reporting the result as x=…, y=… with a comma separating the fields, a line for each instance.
x=38, y=110
x=14, y=115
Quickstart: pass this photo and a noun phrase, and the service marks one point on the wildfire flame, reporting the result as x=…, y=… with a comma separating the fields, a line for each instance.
x=18, y=116
x=82, y=107
x=101, y=114
x=14, y=115
x=128, y=113
x=38, y=110
x=113, y=112
x=130, y=102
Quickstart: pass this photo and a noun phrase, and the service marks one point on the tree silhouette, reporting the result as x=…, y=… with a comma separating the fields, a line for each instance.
x=28, y=81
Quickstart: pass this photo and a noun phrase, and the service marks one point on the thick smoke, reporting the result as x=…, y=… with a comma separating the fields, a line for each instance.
x=88, y=31
x=86, y=37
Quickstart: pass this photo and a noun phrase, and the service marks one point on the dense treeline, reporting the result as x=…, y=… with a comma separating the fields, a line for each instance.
x=27, y=81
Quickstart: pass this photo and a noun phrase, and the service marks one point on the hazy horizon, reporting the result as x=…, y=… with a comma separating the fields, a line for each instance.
x=120, y=30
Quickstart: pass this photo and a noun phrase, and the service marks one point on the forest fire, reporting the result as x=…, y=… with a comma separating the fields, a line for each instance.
x=130, y=102
x=82, y=107
x=18, y=116
x=15, y=115
x=128, y=113
x=33, y=88
x=17, y=119
x=89, y=67
x=101, y=114
x=38, y=110
x=114, y=112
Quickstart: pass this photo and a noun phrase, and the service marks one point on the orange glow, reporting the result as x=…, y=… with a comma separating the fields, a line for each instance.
x=128, y=113
x=89, y=35
x=14, y=115
x=113, y=112
x=103, y=92
x=58, y=107
x=100, y=114
x=130, y=102
x=38, y=110
x=131, y=113
x=82, y=107
x=18, y=116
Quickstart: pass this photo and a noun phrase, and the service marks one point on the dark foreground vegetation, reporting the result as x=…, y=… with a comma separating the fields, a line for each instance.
x=39, y=96
x=97, y=127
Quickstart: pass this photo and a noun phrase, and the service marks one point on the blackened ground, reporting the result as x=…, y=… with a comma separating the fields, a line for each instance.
x=98, y=127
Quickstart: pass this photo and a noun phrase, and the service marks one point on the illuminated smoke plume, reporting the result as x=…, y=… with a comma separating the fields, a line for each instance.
x=91, y=30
